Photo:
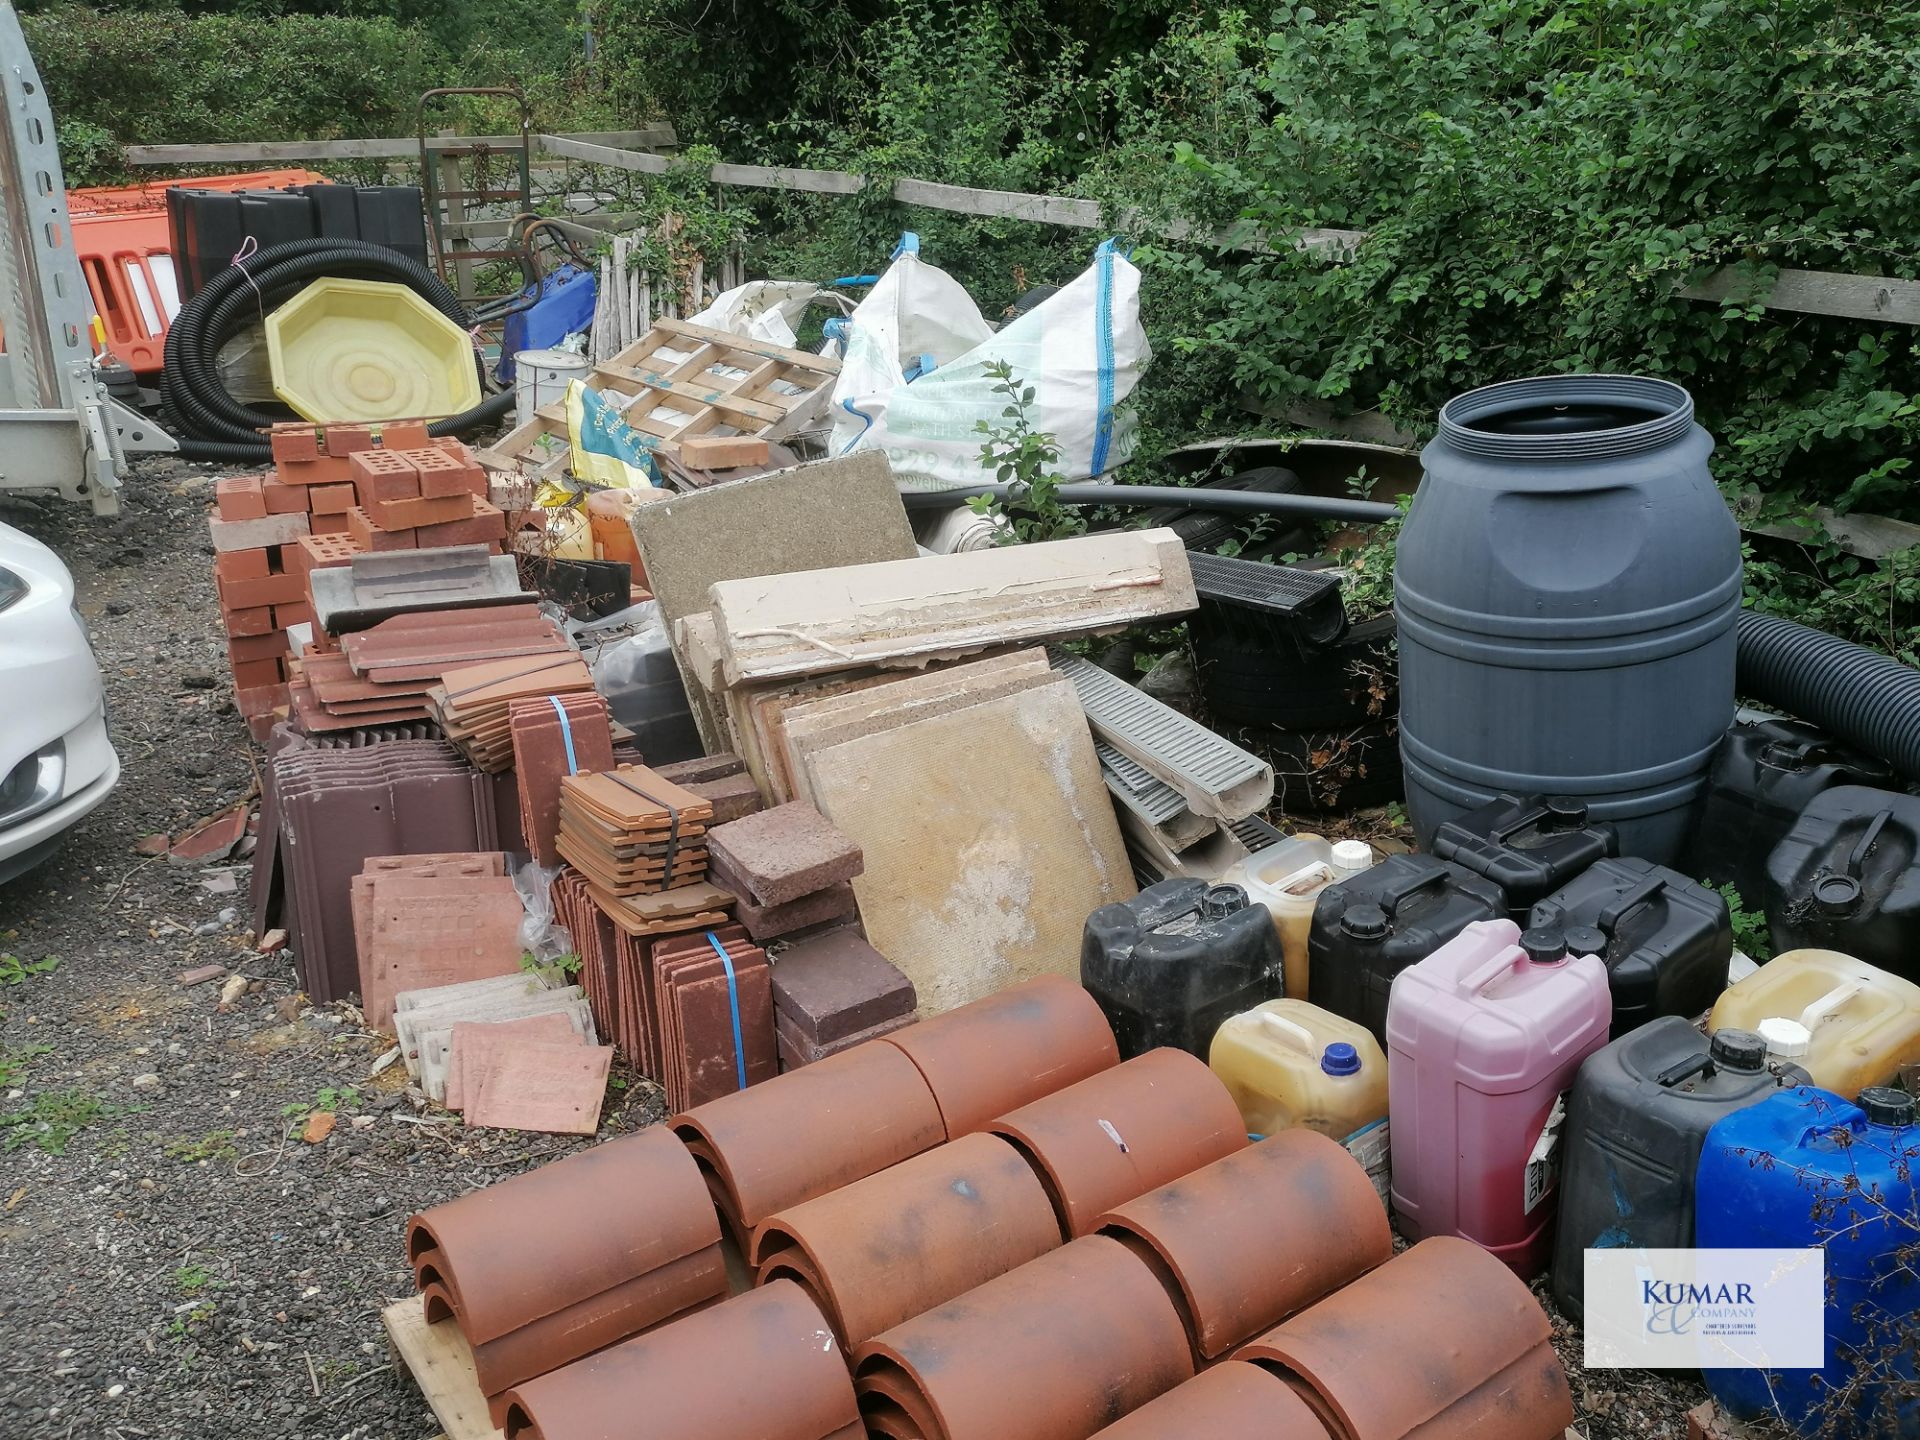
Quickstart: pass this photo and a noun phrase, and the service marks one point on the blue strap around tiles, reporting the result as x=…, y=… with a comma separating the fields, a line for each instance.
x=566, y=732
x=733, y=1004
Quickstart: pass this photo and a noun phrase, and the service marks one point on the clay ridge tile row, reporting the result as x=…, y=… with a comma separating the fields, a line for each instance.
x=760, y=1365
x=1123, y=1132
x=1442, y=1340
x=1054, y=1350
x=1231, y=1401
x=896, y=1244
x=1261, y=1235
x=504, y=1258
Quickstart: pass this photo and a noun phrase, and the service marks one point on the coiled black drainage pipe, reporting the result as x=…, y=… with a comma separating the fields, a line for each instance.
x=209, y=423
x=1848, y=689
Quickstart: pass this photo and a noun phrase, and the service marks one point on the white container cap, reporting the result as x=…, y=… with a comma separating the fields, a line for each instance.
x=1352, y=855
x=1786, y=1039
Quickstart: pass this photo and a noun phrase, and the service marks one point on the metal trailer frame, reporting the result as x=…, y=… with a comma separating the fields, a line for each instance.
x=59, y=429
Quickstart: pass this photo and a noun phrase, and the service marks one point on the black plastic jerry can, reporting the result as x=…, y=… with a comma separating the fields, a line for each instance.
x=1168, y=966
x=1527, y=845
x=1764, y=774
x=1368, y=929
x=1844, y=878
x=1666, y=939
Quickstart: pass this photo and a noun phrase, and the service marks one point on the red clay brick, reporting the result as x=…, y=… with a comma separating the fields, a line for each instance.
x=239, y=497
x=261, y=700
x=486, y=525
x=240, y=565
x=265, y=590
x=327, y=470
x=294, y=444
x=404, y=435
x=344, y=440
x=331, y=499
x=335, y=524
x=448, y=472
x=411, y=514
x=284, y=499
x=257, y=647
x=257, y=674
x=287, y=616
x=383, y=475
x=370, y=537
x=317, y=552
x=257, y=620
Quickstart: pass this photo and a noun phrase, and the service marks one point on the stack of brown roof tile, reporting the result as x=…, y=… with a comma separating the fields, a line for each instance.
x=788, y=868
x=542, y=1269
x=554, y=736
x=431, y=920
x=382, y=675
x=424, y=1020
x=712, y=1014
x=472, y=702
x=832, y=991
x=633, y=833
x=325, y=813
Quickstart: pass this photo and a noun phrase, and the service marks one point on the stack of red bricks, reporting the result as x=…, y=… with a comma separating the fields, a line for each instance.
x=420, y=499
x=334, y=492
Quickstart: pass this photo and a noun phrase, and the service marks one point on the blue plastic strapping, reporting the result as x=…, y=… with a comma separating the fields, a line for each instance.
x=566, y=732
x=733, y=1004
x=1103, y=339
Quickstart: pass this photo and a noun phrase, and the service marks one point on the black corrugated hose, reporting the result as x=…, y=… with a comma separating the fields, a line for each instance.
x=1856, y=693
x=209, y=423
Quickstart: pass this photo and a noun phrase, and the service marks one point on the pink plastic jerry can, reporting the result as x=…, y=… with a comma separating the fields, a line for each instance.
x=1483, y=1039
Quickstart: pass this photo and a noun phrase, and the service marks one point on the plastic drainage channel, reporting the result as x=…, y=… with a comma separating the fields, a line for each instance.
x=1139, y=725
x=1304, y=603
x=1137, y=788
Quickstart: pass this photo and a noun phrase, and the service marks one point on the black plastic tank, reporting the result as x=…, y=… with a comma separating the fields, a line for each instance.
x=1527, y=845
x=1566, y=585
x=1171, y=964
x=1667, y=940
x=1637, y=1116
x=1368, y=929
x=1762, y=778
x=1844, y=878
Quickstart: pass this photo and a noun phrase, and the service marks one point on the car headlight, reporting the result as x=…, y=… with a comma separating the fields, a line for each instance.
x=12, y=587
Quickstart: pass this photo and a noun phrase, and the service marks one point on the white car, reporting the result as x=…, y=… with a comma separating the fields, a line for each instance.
x=56, y=762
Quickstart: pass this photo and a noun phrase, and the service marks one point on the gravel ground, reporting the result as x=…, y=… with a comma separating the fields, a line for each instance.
x=174, y=1260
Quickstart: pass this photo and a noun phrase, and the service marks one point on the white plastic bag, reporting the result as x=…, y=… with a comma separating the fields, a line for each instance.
x=761, y=310
x=1082, y=350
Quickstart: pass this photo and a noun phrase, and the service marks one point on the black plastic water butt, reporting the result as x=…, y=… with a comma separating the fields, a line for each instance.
x=1566, y=586
x=1171, y=964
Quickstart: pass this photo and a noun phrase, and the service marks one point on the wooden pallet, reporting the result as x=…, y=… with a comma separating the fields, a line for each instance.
x=681, y=380
x=441, y=1363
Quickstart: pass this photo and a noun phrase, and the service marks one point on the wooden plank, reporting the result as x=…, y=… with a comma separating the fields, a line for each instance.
x=1871, y=537
x=1819, y=292
x=441, y=1363
x=405, y=147
x=610, y=155
x=1007, y=204
x=782, y=177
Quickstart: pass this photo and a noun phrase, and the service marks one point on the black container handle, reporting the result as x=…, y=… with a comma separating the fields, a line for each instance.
x=1390, y=898
x=1861, y=851
x=1639, y=895
x=1692, y=1065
